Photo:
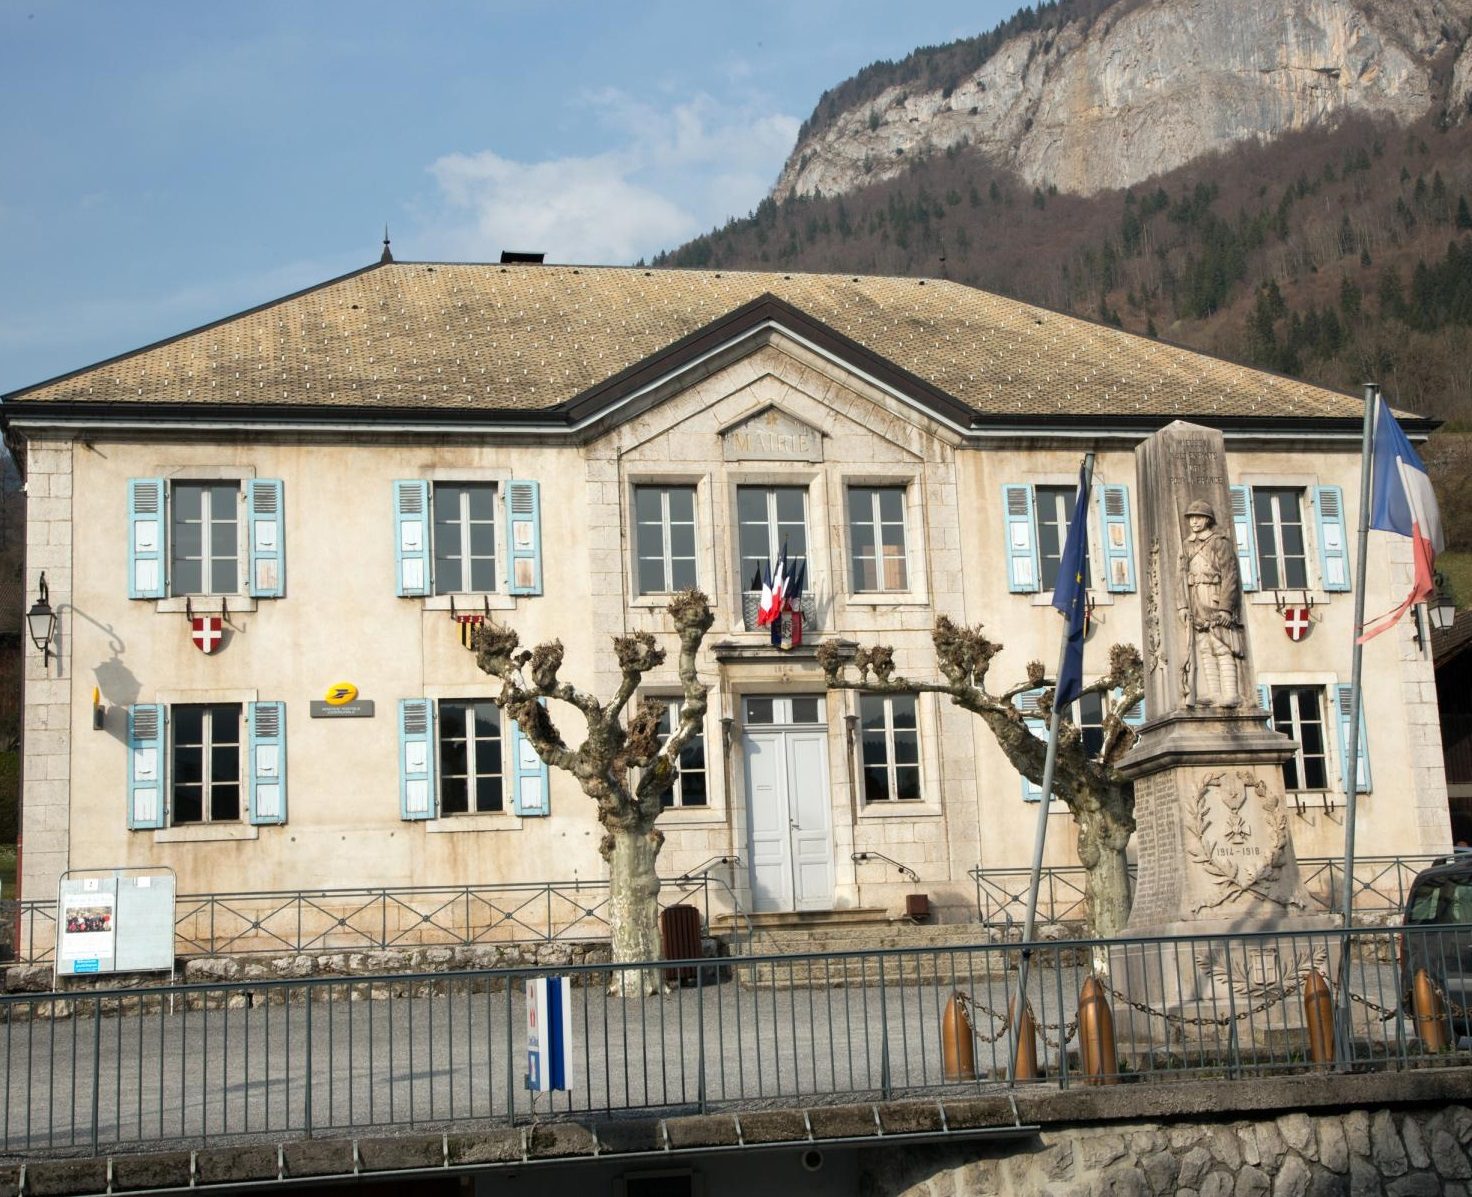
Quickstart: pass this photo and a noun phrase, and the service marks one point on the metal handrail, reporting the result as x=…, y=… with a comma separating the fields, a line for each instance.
x=375, y=918
x=181, y=1066
x=869, y=854
x=1381, y=885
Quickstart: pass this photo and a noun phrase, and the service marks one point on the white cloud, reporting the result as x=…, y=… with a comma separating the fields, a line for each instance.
x=671, y=172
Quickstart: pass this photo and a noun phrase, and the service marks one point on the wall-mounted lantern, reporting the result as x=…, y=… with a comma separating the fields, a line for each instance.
x=41, y=620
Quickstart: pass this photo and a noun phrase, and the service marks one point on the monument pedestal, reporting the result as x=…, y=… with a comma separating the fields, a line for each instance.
x=1215, y=858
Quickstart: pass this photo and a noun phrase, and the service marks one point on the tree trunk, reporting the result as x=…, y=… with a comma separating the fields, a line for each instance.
x=632, y=851
x=1102, y=839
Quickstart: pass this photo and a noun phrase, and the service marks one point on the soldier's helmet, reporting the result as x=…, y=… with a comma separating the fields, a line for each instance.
x=1199, y=508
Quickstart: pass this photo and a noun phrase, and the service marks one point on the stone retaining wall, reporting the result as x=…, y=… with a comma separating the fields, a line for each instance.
x=1402, y=1153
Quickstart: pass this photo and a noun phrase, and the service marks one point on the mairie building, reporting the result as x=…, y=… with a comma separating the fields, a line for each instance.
x=266, y=540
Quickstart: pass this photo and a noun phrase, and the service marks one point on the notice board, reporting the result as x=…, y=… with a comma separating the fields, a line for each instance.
x=115, y=921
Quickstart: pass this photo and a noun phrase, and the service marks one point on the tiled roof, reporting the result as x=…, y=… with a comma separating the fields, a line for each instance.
x=528, y=337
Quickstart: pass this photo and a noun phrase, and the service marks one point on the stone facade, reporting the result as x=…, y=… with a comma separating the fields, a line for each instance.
x=769, y=409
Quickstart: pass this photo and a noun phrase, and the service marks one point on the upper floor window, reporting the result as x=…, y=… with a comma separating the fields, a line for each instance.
x=769, y=518
x=197, y=538
x=876, y=526
x=464, y=538
x=689, y=788
x=471, y=779
x=446, y=537
x=1054, y=510
x=1271, y=527
x=1282, y=559
x=204, y=538
x=891, y=747
x=1035, y=529
x=664, y=538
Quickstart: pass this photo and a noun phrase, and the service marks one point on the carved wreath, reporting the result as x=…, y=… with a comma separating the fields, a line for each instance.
x=1288, y=981
x=1226, y=872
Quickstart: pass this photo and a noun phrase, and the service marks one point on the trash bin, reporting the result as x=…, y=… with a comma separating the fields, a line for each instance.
x=679, y=939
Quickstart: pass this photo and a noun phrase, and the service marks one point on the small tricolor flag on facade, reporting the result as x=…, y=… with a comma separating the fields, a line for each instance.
x=468, y=624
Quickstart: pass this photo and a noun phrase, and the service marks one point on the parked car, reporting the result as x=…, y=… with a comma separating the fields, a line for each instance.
x=1441, y=896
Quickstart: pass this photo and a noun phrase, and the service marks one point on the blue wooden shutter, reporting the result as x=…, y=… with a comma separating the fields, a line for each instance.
x=267, y=762
x=1119, y=545
x=1265, y=700
x=411, y=536
x=529, y=793
x=146, y=772
x=1022, y=544
x=1333, y=546
x=1362, y=763
x=267, y=538
x=416, y=758
x=523, y=538
x=1027, y=703
x=147, y=576
x=1135, y=716
x=1246, y=535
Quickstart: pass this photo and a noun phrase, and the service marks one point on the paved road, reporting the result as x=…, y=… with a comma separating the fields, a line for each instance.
x=446, y=1052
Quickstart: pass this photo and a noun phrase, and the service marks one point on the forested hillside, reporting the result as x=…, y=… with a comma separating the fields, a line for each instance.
x=1333, y=255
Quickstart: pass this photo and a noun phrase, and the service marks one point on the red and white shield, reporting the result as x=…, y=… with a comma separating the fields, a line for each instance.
x=1295, y=622
x=207, y=631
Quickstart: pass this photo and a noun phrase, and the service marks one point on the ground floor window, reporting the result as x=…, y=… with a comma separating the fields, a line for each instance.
x=689, y=788
x=471, y=780
x=891, y=747
x=206, y=763
x=1298, y=711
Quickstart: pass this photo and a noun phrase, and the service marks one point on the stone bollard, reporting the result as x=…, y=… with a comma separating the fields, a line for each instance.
x=1096, y=1035
x=1430, y=1013
x=1318, y=1018
x=957, y=1042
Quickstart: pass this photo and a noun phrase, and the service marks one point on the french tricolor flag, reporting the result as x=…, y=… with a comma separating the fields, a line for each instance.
x=1401, y=501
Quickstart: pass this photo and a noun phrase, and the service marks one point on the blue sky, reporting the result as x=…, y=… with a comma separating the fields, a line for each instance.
x=163, y=164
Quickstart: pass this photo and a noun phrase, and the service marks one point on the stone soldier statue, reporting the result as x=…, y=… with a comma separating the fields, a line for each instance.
x=1211, y=606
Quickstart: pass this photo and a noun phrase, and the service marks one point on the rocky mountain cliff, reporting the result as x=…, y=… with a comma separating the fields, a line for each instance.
x=1090, y=98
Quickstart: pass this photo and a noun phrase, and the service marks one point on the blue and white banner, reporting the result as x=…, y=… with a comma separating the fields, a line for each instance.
x=548, y=1034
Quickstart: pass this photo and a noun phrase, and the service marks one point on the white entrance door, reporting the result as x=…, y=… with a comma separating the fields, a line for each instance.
x=790, y=845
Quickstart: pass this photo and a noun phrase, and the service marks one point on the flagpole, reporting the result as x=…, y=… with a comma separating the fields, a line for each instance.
x=1352, y=752
x=1050, y=763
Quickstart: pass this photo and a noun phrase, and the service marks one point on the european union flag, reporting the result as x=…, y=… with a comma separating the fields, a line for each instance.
x=1070, y=596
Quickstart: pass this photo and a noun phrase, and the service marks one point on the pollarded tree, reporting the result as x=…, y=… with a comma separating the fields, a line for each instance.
x=614, y=749
x=1100, y=798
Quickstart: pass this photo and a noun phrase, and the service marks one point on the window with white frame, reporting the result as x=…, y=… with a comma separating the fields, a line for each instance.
x=1298, y=712
x=891, y=747
x=876, y=529
x=1035, y=531
x=1054, y=510
x=690, y=788
x=206, y=763
x=196, y=537
x=770, y=517
x=464, y=537
x=467, y=537
x=1282, y=559
x=471, y=779
x=204, y=538
x=664, y=538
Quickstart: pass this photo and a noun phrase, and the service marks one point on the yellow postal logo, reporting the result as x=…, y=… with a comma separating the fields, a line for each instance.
x=341, y=694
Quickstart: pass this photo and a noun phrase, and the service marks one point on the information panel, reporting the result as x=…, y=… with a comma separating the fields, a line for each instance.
x=122, y=921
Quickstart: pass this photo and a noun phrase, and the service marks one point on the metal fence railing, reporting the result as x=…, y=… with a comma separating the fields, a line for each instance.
x=190, y=1065
x=1380, y=887
x=373, y=918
